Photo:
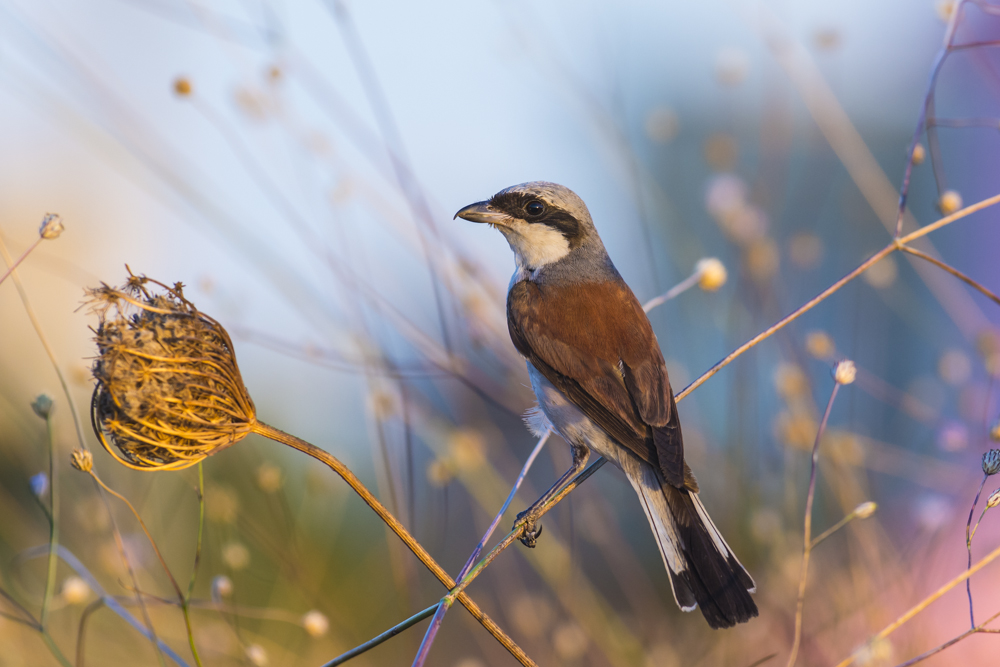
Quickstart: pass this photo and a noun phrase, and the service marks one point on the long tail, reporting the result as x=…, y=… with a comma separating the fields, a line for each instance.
x=703, y=570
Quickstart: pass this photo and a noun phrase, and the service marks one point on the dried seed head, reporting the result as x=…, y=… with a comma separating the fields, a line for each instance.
x=711, y=274
x=52, y=227
x=316, y=623
x=991, y=462
x=994, y=499
x=845, y=372
x=182, y=87
x=169, y=392
x=42, y=406
x=950, y=202
x=75, y=590
x=865, y=510
x=919, y=154
x=222, y=587
x=82, y=460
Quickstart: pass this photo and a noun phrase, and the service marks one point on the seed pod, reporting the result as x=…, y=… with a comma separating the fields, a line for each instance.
x=169, y=392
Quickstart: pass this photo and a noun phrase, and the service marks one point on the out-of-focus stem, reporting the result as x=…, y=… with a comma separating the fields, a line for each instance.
x=50, y=578
x=307, y=448
x=807, y=550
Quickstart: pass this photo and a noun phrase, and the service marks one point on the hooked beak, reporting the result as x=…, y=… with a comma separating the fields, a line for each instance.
x=481, y=212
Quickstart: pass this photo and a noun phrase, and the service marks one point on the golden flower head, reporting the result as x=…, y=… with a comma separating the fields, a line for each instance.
x=82, y=460
x=169, y=392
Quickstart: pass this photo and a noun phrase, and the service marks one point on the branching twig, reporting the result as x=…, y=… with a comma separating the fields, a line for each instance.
x=953, y=271
x=926, y=602
x=976, y=629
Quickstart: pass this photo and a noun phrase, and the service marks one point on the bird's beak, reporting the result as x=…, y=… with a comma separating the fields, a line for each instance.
x=481, y=212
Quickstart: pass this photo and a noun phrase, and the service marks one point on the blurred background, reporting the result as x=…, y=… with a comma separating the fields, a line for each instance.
x=297, y=166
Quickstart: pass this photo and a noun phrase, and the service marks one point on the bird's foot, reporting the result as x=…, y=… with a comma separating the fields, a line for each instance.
x=532, y=530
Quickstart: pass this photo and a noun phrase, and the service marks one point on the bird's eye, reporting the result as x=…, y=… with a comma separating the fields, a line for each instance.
x=534, y=208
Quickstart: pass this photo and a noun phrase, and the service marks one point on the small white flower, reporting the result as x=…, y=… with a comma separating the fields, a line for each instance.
x=845, y=372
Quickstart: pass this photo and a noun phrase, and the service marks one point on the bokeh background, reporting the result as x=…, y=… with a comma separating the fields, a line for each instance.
x=297, y=166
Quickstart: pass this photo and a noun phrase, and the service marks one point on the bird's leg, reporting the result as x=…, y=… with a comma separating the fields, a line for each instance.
x=532, y=530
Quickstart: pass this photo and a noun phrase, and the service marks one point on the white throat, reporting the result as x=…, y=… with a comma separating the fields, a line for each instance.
x=535, y=245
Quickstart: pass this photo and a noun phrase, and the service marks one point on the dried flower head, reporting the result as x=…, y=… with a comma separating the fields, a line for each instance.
x=169, y=392
x=75, y=590
x=995, y=431
x=52, y=227
x=182, y=86
x=950, y=202
x=316, y=623
x=222, y=587
x=994, y=499
x=42, y=405
x=711, y=274
x=991, y=462
x=845, y=372
x=865, y=510
x=82, y=460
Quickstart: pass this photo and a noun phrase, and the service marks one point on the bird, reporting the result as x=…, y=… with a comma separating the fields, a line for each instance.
x=601, y=383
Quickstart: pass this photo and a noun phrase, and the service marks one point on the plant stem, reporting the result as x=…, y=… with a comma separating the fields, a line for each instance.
x=50, y=578
x=186, y=598
x=807, y=550
x=325, y=457
x=926, y=602
x=968, y=546
x=20, y=259
x=953, y=271
x=388, y=634
x=56, y=653
x=833, y=529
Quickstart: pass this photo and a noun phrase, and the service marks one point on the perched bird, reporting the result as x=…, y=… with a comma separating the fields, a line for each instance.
x=601, y=383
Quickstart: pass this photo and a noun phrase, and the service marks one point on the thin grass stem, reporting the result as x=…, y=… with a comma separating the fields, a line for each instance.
x=53, y=560
x=17, y=262
x=807, y=549
x=388, y=634
x=968, y=546
x=45, y=343
x=953, y=271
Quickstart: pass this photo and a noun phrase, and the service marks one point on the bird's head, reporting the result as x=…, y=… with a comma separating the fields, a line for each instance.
x=543, y=222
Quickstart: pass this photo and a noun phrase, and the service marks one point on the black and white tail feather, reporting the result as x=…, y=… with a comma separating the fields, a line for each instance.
x=703, y=570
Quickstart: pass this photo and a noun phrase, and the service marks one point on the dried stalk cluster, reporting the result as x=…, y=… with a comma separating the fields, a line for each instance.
x=169, y=392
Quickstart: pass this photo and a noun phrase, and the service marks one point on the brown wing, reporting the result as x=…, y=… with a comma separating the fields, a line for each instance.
x=595, y=344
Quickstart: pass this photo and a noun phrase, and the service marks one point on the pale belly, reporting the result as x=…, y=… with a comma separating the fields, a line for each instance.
x=571, y=423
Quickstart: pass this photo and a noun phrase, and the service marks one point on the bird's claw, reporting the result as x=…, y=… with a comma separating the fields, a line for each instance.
x=532, y=530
